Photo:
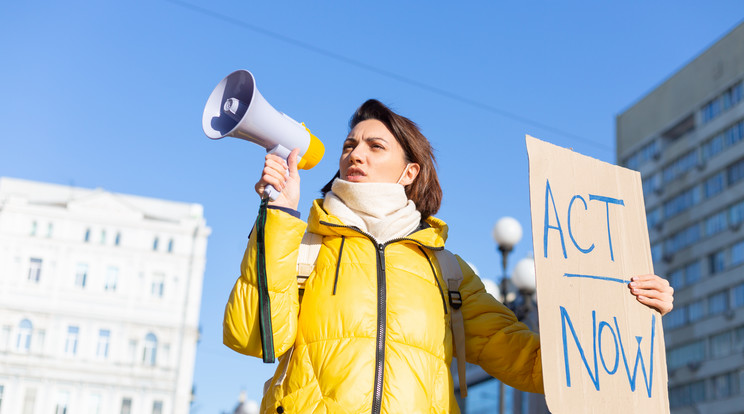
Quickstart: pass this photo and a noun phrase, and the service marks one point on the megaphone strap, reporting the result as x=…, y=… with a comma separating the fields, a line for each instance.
x=264, y=303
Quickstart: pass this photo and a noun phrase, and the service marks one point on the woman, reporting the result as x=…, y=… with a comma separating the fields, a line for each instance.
x=373, y=334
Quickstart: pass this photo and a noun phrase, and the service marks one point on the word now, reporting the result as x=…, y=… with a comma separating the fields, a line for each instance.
x=592, y=197
x=597, y=331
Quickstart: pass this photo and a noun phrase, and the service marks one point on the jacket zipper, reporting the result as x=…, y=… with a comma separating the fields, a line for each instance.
x=381, y=328
x=381, y=310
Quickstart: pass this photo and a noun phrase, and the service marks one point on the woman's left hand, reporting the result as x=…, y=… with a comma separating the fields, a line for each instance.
x=653, y=291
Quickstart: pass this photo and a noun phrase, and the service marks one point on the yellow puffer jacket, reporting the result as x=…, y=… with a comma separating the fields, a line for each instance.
x=372, y=333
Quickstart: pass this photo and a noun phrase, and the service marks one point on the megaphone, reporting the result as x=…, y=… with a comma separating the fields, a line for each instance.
x=236, y=109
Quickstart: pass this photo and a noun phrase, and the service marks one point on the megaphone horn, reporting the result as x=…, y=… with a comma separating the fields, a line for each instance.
x=236, y=109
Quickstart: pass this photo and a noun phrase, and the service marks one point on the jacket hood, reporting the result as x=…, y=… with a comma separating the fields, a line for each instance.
x=433, y=235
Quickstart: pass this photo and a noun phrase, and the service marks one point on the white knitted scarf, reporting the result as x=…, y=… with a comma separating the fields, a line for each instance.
x=379, y=209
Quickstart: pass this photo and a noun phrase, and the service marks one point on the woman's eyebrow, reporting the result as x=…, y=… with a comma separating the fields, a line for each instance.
x=375, y=139
x=354, y=139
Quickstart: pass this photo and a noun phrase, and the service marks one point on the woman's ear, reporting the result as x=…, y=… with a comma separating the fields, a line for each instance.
x=410, y=174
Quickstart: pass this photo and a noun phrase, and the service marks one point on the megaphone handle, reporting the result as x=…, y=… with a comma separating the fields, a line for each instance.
x=279, y=150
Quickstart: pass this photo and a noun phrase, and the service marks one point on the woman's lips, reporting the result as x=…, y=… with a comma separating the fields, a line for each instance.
x=354, y=174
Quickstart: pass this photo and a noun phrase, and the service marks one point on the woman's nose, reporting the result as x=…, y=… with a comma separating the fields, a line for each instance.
x=356, y=155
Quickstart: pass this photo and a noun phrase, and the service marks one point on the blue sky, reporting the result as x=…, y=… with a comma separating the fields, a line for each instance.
x=110, y=94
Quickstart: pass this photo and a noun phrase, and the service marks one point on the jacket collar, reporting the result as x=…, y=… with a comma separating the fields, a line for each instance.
x=433, y=234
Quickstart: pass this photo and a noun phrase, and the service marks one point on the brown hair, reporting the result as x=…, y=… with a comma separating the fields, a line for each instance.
x=425, y=190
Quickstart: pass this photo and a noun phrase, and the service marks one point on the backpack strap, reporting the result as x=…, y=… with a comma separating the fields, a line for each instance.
x=452, y=273
x=307, y=256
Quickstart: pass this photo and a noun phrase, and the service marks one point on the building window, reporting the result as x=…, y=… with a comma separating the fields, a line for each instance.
x=646, y=153
x=112, y=277
x=733, y=96
x=158, y=285
x=675, y=319
x=681, y=202
x=716, y=223
x=735, y=172
x=739, y=339
x=725, y=386
x=692, y=273
x=170, y=246
x=736, y=213
x=87, y=235
x=680, y=166
x=117, y=239
x=733, y=134
x=685, y=354
x=653, y=217
x=717, y=262
x=656, y=252
x=5, y=336
x=695, y=392
x=737, y=253
x=149, y=355
x=722, y=103
x=25, y=330
x=40, y=337
x=695, y=311
x=720, y=345
x=155, y=244
x=714, y=185
x=718, y=303
x=682, y=239
x=157, y=407
x=651, y=184
x=133, y=350
x=711, y=110
x=738, y=291
x=34, y=269
x=81, y=275
x=50, y=229
x=94, y=404
x=126, y=406
x=713, y=147
x=2, y=392
x=34, y=226
x=104, y=337
x=71, y=340
x=103, y=236
x=29, y=401
x=164, y=354
x=62, y=401
x=676, y=278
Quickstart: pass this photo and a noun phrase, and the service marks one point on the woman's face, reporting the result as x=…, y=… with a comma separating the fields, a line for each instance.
x=371, y=154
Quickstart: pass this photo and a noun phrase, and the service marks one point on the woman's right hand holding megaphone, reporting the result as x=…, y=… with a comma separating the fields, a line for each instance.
x=283, y=176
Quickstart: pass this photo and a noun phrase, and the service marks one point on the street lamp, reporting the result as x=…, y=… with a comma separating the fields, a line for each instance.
x=506, y=233
x=523, y=277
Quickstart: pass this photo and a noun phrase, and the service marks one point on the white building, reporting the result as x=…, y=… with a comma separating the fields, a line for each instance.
x=99, y=300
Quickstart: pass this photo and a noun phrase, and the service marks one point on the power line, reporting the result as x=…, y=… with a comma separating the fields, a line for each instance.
x=388, y=74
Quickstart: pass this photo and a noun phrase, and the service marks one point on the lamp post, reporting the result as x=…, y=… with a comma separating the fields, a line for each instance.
x=523, y=277
x=506, y=233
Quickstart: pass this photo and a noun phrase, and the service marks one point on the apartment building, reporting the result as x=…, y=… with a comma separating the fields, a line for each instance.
x=686, y=137
x=99, y=300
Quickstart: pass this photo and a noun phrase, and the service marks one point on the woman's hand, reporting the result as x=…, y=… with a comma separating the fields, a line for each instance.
x=275, y=174
x=653, y=291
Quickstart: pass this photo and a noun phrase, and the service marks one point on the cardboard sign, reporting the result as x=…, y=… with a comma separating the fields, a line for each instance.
x=602, y=350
